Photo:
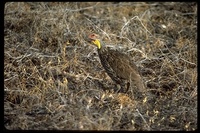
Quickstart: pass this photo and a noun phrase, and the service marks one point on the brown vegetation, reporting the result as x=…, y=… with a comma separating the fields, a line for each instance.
x=53, y=78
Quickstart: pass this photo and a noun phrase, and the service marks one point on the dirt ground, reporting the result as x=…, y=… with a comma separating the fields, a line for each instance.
x=53, y=79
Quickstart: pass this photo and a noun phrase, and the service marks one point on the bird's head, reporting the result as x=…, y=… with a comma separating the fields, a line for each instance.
x=93, y=38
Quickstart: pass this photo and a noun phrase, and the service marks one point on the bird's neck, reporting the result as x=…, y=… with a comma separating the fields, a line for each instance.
x=102, y=48
x=98, y=43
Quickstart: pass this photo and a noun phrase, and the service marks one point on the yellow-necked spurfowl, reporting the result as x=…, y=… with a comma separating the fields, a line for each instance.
x=118, y=66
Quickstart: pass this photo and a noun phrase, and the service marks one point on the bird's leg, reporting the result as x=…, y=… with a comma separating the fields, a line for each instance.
x=118, y=88
x=128, y=86
x=124, y=86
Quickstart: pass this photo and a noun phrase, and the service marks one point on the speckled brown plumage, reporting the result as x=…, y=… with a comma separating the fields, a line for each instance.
x=119, y=67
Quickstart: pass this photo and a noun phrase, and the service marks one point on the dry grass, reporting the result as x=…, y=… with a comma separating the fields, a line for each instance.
x=53, y=79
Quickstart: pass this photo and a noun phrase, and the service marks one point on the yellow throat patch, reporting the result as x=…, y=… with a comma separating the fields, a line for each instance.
x=97, y=43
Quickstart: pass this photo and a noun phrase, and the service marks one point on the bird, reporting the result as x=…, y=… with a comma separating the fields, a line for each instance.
x=119, y=67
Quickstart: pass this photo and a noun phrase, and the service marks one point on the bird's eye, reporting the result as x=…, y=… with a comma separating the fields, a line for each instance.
x=91, y=36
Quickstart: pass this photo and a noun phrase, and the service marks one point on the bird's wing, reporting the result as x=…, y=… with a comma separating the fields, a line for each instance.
x=126, y=69
x=121, y=64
